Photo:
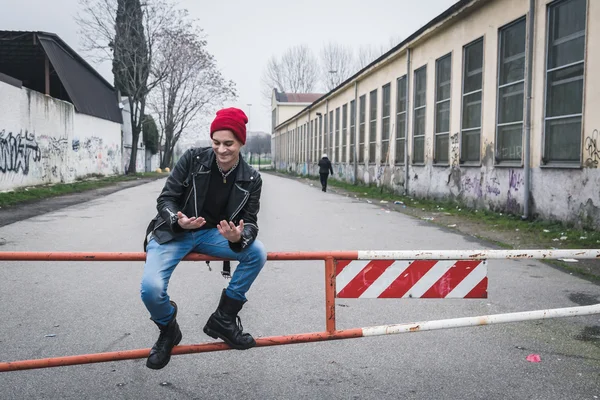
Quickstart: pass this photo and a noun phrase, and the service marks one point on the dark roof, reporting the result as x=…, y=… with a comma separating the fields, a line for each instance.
x=282, y=97
x=459, y=5
x=23, y=55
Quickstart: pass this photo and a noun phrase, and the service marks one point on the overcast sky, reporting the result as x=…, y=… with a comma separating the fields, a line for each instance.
x=242, y=35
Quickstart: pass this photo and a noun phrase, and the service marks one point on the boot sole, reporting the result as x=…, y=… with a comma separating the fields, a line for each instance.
x=216, y=335
x=160, y=366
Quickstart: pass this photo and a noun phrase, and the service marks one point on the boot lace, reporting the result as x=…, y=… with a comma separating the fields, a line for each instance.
x=162, y=339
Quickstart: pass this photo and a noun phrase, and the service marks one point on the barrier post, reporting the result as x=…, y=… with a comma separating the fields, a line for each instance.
x=330, y=294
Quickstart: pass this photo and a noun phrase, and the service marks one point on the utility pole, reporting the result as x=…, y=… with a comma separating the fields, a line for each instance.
x=250, y=130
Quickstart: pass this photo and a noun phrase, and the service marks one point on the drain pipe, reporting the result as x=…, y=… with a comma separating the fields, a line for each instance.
x=527, y=155
x=325, y=134
x=308, y=145
x=355, y=131
x=406, y=121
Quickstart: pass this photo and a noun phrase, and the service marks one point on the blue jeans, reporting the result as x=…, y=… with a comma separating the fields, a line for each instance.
x=161, y=260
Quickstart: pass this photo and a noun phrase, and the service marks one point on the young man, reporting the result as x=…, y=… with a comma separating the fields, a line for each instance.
x=324, y=168
x=208, y=205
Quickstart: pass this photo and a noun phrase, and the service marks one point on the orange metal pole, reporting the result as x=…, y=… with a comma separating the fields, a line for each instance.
x=133, y=256
x=330, y=294
x=177, y=350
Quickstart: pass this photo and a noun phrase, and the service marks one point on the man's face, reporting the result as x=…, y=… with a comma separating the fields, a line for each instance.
x=226, y=147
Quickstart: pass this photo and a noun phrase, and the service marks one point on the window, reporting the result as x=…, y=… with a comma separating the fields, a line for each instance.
x=511, y=91
x=273, y=119
x=400, y=119
x=304, y=141
x=325, y=136
x=315, y=139
x=362, y=114
x=564, y=81
x=372, y=125
x=344, y=131
x=320, y=144
x=443, y=80
x=419, y=115
x=330, y=146
x=352, y=129
x=471, y=102
x=385, y=124
x=300, y=142
x=337, y=134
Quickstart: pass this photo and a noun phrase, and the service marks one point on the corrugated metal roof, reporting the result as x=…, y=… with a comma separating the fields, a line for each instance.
x=23, y=54
x=89, y=94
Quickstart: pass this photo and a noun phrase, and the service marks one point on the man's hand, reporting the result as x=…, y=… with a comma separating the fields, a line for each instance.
x=189, y=223
x=230, y=231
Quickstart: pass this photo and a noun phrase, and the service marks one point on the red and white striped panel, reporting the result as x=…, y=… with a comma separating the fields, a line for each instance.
x=434, y=279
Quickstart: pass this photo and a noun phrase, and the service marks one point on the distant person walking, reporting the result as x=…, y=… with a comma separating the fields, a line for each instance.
x=324, y=169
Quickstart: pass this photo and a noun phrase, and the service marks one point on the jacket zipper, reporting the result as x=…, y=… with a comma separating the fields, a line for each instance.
x=195, y=197
x=242, y=204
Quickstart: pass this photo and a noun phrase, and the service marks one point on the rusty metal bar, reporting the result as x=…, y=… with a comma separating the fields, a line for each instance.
x=311, y=337
x=177, y=350
x=330, y=294
x=322, y=255
x=135, y=256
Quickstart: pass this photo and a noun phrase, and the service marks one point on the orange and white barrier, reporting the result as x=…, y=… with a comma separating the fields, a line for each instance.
x=433, y=279
x=357, y=274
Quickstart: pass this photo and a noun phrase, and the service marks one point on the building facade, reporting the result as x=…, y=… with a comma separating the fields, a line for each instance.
x=60, y=119
x=491, y=103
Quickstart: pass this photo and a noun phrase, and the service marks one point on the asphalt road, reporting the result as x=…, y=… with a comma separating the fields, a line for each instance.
x=95, y=307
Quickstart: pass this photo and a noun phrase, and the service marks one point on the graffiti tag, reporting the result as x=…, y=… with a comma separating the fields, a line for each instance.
x=515, y=179
x=17, y=151
x=592, y=147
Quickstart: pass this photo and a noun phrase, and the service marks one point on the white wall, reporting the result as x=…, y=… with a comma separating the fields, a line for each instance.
x=44, y=140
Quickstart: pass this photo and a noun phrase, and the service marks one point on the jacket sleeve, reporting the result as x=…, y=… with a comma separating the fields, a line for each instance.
x=330, y=167
x=250, y=216
x=169, y=200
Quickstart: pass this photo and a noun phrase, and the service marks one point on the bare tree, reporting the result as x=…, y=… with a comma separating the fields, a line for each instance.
x=192, y=88
x=336, y=64
x=296, y=71
x=366, y=54
x=98, y=23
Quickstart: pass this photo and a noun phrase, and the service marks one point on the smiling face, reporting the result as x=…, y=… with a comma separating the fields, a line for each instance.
x=226, y=147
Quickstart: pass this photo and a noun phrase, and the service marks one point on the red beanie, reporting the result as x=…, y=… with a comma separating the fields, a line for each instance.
x=232, y=119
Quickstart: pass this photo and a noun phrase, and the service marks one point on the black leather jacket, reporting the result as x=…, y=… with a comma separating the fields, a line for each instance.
x=185, y=191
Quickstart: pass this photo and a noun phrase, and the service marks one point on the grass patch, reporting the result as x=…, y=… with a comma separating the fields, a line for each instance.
x=95, y=181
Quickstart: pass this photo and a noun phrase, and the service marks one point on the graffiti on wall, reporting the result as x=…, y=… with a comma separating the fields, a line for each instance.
x=454, y=150
x=472, y=185
x=493, y=186
x=17, y=151
x=592, y=149
x=515, y=179
x=54, y=157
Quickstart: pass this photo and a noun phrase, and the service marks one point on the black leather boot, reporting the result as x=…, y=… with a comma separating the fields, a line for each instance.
x=170, y=336
x=226, y=325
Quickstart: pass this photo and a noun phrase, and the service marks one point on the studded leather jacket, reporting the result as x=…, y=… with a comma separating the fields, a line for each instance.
x=186, y=189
